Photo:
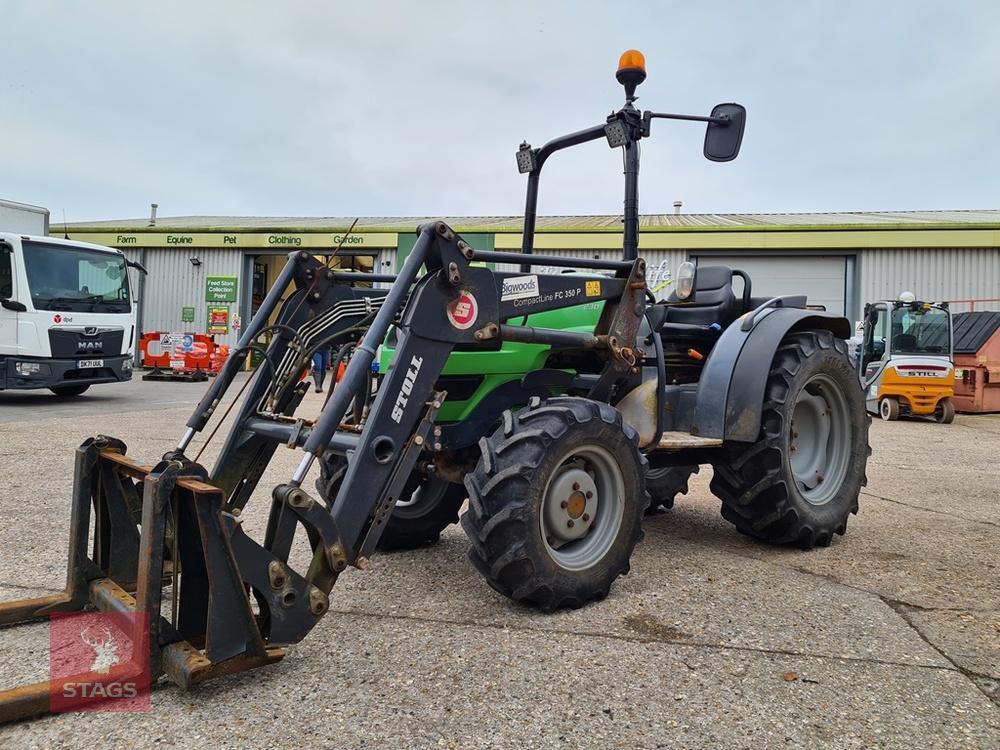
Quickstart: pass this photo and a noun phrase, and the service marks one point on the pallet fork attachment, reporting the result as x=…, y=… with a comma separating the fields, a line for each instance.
x=126, y=572
x=167, y=541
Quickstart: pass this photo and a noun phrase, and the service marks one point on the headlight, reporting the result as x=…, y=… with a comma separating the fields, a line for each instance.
x=27, y=369
x=685, y=279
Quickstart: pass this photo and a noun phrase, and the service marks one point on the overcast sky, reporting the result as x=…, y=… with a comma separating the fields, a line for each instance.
x=416, y=108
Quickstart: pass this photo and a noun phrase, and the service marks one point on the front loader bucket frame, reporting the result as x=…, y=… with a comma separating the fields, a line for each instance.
x=122, y=568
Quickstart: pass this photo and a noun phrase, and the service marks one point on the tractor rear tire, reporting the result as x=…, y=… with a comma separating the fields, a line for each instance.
x=665, y=483
x=888, y=409
x=945, y=411
x=427, y=506
x=792, y=488
x=556, y=503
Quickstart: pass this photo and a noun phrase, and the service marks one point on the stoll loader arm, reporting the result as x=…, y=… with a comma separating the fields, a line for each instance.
x=233, y=603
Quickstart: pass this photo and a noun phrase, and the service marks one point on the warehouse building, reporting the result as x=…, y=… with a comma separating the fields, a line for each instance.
x=208, y=273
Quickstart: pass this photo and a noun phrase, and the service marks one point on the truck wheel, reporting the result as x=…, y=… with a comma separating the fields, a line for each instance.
x=945, y=411
x=69, y=390
x=800, y=481
x=888, y=409
x=664, y=484
x=556, y=503
x=427, y=506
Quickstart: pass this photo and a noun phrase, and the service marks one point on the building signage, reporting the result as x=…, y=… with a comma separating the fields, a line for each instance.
x=220, y=289
x=187, y=315
x=284, y=241
x=218, y=320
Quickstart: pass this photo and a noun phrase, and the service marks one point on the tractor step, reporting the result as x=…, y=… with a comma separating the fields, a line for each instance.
x=678, y=441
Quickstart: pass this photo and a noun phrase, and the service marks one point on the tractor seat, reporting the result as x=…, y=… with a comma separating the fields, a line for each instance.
x=713, y=300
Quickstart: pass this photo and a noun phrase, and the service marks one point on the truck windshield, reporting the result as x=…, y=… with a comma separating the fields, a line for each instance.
x=917, y=329
x=75, y=279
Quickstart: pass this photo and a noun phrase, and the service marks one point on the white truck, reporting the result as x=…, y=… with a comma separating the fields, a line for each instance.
x=67, y=318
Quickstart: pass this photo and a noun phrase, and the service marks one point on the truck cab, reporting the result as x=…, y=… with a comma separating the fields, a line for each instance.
x=67, y=317
x=905, y=362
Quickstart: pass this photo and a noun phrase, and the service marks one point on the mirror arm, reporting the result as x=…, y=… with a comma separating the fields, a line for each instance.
x=724, y=120
x=137, y=265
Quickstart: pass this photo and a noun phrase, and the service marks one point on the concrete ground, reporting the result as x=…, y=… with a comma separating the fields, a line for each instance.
x=888, y=639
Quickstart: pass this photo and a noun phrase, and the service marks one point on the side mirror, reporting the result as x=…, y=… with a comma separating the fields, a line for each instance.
x=725, y=132
x=10, y=304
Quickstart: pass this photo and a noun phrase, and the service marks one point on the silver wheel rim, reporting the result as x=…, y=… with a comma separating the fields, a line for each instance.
x=820, y=439
x=884, y=407
x=582, y=508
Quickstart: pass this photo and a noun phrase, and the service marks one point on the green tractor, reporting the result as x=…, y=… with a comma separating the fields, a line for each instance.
x=554, y=402
x=677, y=335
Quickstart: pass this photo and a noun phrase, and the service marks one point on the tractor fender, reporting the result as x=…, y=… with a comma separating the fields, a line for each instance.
x=731, y=387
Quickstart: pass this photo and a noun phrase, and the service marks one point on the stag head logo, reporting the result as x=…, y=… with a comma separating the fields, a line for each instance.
x=99, y=661
x=105, y=650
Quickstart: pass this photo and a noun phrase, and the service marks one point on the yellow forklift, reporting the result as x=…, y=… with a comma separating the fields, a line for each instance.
x=905, y=360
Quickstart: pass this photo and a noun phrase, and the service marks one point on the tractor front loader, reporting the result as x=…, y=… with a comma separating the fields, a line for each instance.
x=553, y=461
x=219, y=602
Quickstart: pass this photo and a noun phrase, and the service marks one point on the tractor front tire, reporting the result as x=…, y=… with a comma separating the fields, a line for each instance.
x=800, y=482
x=665, y=483
x=888, y=409
x=426, y=506
x=556, y=503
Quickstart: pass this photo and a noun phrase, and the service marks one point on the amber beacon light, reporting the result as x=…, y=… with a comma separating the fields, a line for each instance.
x=631, y=71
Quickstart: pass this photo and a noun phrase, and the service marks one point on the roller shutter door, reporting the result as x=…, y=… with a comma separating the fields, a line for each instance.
x=820, y=277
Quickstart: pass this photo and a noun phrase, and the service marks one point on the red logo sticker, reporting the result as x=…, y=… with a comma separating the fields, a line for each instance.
x=462, y=312
x=99, y=661
x=57, y=318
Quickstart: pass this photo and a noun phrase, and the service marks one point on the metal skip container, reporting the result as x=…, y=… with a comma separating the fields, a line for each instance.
x=977, y=362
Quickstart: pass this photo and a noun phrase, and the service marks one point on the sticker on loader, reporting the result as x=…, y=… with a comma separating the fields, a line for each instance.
x=519, y=287
x=462, y=313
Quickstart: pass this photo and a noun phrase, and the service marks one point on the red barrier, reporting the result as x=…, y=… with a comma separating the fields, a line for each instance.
x=182, y=352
